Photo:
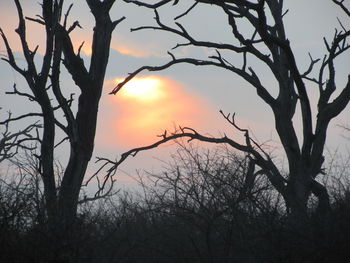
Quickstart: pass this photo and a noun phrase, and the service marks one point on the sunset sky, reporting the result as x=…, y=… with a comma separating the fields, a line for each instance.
x=183, y=95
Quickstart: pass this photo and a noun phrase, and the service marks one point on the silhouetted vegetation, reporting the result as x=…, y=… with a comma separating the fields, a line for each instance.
x=199, y=209
x=77, y=119
x=259, y=37
x=233, y=204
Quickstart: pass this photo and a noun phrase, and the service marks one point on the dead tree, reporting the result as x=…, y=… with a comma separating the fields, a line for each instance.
x=79, y=127
x=304, y=155
x=12, y=142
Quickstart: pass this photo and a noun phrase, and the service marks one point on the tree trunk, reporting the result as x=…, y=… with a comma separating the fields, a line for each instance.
x=297, y=198
x=299, y=190
x=81, y=152
x=83, y=127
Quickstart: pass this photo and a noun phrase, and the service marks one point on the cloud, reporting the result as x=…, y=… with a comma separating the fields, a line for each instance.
x=140, y=44
x=146, y=107
x=131, y=49
x=122, y=46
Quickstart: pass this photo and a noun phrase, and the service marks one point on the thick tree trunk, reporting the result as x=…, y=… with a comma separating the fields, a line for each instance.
x=70, y=188
x=297, y=198
x=320, y=191
x=81, y=152
x=83, y=127
x=47, y=162
x=299, y=190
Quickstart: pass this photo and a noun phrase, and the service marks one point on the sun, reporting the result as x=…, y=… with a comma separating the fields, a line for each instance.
x=144, y=89
x=146, y=106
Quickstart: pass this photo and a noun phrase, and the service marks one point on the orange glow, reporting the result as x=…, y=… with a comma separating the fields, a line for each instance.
x=87, y=50
x=130, y=49
x=136, y=48
x=143, y=89
x=145, y=107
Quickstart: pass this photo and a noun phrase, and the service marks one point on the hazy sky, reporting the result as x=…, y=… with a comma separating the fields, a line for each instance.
x=184, y=95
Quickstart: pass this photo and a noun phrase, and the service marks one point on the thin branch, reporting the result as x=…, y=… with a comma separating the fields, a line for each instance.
x=190, y=133
x=36, y=20
x=117, y=22
x=311, y=66
x=186, y=12
x=156, y=5
x=31, y=114
x=342, y=6
x=66, y=15
x=73, y=26
x=10, y=143
x=183, y=33
x=23, y=94
x=11, y=59
x=251, y=78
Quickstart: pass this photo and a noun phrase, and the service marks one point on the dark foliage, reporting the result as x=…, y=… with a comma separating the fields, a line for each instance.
x=198, y=210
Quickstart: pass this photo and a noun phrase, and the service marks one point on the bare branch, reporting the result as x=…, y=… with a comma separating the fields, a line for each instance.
x=187, y=11
x=23, y=94
x=73, y=62
x=10, y=119
x=10, y=143
x=11, y=59
x=156, y=5
x=311, y=66
x=36, y=20
x=342, y=6
x=183, y=33
x=190, y=133
x=66, y=16
x=117, y=22
x=21, y=31
x=73, y=26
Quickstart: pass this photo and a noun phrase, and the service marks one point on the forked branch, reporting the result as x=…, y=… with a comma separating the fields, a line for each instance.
x=10, y=143
x=250, y=147
x=342, y=6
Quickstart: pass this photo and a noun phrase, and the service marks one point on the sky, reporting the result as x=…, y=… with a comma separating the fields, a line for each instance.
x=183, y=95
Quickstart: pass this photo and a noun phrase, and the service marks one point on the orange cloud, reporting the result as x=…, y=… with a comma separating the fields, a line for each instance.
x=123, y=49
x=145, y=107
x=126, y=49
x=130, y=49
x=138, y=47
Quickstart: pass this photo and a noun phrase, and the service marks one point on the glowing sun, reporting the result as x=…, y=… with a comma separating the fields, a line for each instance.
x=142, y=88
x=146, y=106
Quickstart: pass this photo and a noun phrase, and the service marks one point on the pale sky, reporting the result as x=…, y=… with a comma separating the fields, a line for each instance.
x=184, y=95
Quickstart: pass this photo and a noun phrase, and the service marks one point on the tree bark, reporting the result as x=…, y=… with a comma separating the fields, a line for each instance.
x=90, y=82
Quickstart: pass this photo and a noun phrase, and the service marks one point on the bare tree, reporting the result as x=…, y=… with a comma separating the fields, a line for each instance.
x=270, y=46
x=12, y=142
x=45, y=89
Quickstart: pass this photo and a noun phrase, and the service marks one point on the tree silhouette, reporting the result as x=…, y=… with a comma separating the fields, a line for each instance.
x=270, y=46
x=45, y=89
x=12, y=142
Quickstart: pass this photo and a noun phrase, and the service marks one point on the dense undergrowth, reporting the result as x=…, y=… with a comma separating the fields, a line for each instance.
x=200, y=209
